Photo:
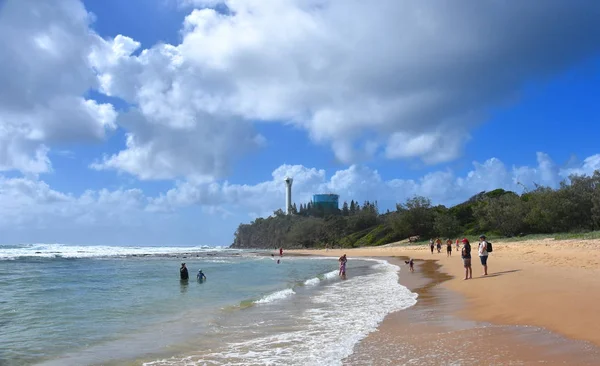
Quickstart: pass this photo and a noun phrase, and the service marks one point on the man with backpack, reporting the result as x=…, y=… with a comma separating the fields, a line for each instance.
x=484, y=249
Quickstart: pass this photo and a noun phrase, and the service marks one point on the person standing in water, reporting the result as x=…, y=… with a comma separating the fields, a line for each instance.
x=343, y=261
x=411, y=264
x=201, y=276
x=183, y=272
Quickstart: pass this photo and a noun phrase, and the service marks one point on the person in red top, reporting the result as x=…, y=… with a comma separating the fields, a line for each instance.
x=280, y=251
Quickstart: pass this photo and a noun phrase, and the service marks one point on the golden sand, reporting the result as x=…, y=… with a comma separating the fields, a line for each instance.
x=545, y=283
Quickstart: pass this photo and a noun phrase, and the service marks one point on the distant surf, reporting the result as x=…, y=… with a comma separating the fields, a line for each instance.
x=11, y=252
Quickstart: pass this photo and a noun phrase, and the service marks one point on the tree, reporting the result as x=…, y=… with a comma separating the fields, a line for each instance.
x=547, y=211
x=345, y=209
x=418, y=214
x=446, y=225
x=400, y=225
x=307, y=233
x=335, y=228
x=504, y=214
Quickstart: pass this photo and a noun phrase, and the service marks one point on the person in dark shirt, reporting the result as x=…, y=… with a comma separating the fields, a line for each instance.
x=201, y=276
x=183, y=272
x=411, y=264
x=466, y=257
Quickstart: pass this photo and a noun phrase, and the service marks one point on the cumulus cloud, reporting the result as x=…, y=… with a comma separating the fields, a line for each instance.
x=30, y=203
x=362, y=183
x=44, y=75
x=415, y=76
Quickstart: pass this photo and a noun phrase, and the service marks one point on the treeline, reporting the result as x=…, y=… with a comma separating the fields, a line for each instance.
x=573, y=207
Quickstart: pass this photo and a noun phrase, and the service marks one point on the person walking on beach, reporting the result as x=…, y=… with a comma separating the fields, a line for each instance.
x=457, y=244
x=449, y=247
x=431, y=245
x=343, y=261
x=183, y=272
x=438, y=243
x=483, y=253
x=280, y=252
x=466, y=257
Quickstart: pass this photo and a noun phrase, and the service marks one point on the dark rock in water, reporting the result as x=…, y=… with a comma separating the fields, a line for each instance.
x=38, y=252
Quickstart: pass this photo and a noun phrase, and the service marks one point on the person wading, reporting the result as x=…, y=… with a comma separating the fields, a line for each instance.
x=183, y=272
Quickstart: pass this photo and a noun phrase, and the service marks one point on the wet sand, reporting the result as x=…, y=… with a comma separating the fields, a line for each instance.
x=430, y=334
x=552, y=284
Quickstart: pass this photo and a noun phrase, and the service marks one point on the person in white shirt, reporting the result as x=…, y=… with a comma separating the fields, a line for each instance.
x=483, y=254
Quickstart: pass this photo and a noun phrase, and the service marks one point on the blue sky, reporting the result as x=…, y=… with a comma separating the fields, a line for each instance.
x=167, y=122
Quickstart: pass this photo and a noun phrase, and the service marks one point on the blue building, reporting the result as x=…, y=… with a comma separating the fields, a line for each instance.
x=329, y=201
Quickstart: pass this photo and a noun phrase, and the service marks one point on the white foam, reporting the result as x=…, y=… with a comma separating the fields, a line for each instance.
x=331, y=275
x=342, y=314
x=312, y=281
x=279, y=295
x=95, y=251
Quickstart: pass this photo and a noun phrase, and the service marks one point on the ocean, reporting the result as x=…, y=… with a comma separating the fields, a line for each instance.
x=101, y=305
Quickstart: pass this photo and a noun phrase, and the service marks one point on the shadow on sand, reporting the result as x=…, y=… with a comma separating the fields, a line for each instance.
x=496, y=274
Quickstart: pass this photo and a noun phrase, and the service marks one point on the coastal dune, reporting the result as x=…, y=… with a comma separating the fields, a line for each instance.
x=552, y=284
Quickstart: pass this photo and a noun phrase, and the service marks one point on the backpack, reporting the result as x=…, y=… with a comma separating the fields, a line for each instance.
x=489, y=248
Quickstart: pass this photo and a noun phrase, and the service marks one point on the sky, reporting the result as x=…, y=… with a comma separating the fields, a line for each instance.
x=170, y=122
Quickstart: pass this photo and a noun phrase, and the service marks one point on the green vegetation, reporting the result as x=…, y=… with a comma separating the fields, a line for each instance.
x=573, y=210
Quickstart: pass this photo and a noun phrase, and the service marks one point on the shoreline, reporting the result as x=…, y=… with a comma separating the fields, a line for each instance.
x=534, y=291
x=429, y=334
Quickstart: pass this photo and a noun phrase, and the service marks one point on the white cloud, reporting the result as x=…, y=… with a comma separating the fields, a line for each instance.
x=43, y=78
x=362, y=183
x=27, y=205
x=414, y=76
x=30, y=204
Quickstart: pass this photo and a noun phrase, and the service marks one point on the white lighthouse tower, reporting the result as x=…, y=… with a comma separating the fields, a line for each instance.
x=288, y=195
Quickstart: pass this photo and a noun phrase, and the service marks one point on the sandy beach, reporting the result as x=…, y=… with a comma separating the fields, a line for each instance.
x=548, y=284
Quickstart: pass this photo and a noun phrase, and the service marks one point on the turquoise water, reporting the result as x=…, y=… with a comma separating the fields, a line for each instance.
x=66, y=305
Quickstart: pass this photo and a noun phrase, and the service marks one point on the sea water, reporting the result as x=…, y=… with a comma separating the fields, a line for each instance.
x=68, y=305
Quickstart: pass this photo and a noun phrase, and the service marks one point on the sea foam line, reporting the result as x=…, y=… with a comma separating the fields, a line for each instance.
x=316, y=280
x=342, y=314
x=278, y=295
x=95, y=251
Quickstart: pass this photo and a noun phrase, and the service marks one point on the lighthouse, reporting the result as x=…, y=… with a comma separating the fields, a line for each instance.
x=288, y=195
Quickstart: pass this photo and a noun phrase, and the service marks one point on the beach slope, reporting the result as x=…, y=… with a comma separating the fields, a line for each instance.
x=545, y=283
